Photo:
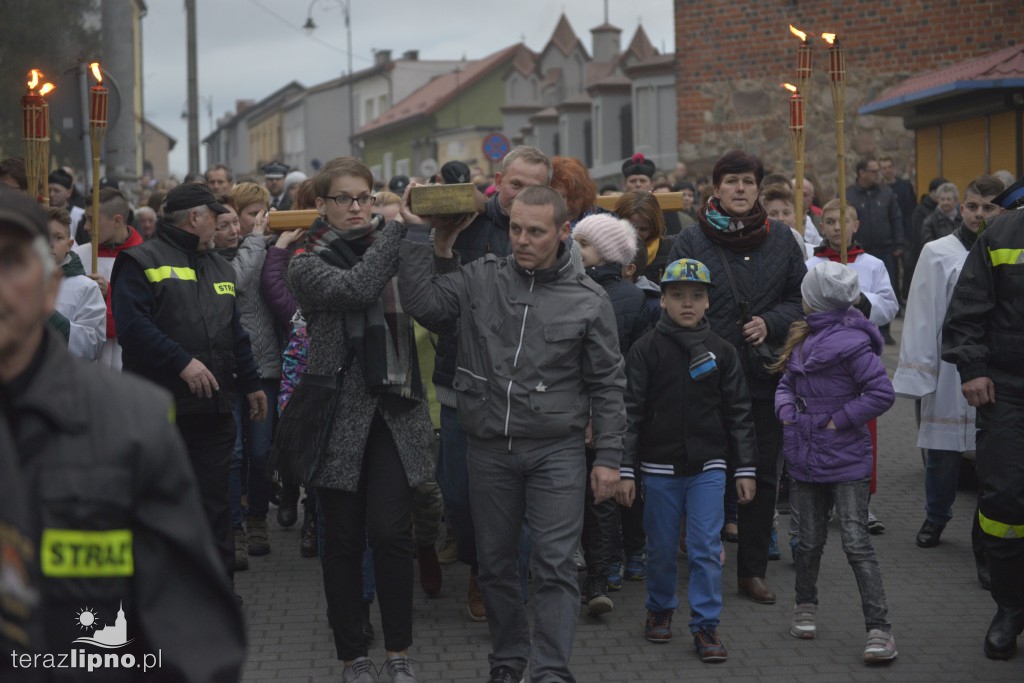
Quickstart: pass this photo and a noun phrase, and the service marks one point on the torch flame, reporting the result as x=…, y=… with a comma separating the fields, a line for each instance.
x=798, y=33
x=829, y=38
x=34, y=76
x=95, y=66
x=47, y=87
x=790, y=87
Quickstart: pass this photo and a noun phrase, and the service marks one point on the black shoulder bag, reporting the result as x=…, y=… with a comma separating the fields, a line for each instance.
x=756, y=359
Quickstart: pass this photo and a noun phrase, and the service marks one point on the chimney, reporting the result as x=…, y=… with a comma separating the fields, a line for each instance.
x=381, y=57
x=411, y=55
x=606, y=42
x=242, y=105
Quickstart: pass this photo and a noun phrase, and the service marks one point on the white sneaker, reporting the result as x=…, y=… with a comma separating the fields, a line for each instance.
x=803, y=625
x=881, y=646
x=359, y=671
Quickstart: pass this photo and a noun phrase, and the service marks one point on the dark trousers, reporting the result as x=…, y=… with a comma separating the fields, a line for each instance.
x=382, y=511
x=210, y=439
x=755, y=518
x=1000, y=504
x=598, y=528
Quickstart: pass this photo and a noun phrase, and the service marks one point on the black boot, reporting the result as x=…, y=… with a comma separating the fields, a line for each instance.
x=1001, y=639
x=287, y=509
x=308, y=542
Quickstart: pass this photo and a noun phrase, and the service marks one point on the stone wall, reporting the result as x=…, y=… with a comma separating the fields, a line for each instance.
x=733, y=57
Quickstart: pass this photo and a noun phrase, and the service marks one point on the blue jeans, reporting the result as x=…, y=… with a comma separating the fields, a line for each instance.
x=941, y=475
x=851, y=501
x=541, y=481
x=700, y=498
x=256, y=438
x=452, y=475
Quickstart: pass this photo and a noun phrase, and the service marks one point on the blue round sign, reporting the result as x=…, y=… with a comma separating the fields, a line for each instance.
x=496, y=146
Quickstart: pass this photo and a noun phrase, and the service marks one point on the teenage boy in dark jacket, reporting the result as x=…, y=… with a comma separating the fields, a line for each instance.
x=688, y=414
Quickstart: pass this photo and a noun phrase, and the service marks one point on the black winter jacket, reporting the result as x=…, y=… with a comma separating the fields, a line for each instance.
x=628, y=302
x=983, y=332
x=768, y=275
x=938, y=225
x=677, y=426
x=881, y=225
x=117, y=523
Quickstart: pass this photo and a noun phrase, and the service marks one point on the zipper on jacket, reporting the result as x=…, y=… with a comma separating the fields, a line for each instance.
x=515, y=362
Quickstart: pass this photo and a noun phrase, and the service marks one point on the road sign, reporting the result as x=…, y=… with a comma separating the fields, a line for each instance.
x=496, y=146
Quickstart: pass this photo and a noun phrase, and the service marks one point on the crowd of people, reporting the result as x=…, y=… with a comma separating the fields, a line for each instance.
x=543, y=383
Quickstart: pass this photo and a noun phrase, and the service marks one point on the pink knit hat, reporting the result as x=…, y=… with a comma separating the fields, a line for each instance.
x=614, y=238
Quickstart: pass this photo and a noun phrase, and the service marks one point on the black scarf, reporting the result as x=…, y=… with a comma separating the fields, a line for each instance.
x=691, y=339
x=381, y=336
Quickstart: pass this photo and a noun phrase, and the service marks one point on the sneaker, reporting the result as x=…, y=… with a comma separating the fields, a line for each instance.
x=430, y=569
x=359, y=671
x=658, y=626
x=256, y=532
x=881, y=646
x=636, y=567
x=615, y=576
x=773, y=546
x=475, y=601
x=448, y=552
x=803, y=625
x=709, y=645
x=577, y=558
x=595, y=596
x=241, y=551
x=504, y=674
x=400, y=669
x=875, y=525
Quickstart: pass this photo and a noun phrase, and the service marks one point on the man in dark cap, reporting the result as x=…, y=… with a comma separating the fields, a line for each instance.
x=61, y=186
x=179, y=326
x=109, y=508
x=639, y=172
x=983, y=335
x=454, y=172
x=273, y=175
x=398, y=183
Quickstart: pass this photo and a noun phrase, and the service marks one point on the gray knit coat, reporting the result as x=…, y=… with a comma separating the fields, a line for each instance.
x=325, y=293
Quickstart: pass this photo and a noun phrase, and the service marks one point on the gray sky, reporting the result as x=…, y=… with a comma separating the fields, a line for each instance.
x=249, y=48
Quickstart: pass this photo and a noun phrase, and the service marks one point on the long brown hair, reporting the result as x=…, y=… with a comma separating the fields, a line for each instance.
x=798, y=332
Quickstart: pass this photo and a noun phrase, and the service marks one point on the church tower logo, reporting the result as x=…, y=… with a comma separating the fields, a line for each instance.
x=109, y=636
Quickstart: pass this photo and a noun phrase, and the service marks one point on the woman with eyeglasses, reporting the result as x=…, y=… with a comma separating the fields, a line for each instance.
x=377, y=438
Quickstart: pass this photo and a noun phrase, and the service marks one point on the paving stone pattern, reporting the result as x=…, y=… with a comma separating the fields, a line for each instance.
x=939, y=611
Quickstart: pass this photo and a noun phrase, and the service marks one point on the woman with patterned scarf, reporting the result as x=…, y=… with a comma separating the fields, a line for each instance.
x=377, y=442
x=767, y=265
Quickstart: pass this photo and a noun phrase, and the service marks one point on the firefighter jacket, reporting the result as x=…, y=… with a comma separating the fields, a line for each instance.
x=172, y=303
x=983, y=332
x=126, y=556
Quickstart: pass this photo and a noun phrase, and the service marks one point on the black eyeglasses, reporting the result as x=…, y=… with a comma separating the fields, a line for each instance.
x=345, y=201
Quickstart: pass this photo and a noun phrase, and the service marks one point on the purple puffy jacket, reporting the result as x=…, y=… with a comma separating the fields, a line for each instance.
x=835, y=374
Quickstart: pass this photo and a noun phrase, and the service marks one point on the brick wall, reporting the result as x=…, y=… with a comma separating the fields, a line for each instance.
x=733, y=56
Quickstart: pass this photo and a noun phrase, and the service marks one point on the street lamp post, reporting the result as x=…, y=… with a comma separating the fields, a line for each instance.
x=310, y=26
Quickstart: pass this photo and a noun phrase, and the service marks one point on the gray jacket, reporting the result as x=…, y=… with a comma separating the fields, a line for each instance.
x=538, y=351
x=256, y=317
x=325, y=293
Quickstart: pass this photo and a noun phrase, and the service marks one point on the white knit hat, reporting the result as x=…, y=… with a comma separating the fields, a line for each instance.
x=293, y=178
x=614, y=238
x=830, y=286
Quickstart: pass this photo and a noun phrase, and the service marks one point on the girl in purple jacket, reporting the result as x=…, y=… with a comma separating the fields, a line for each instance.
x=834, y=383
